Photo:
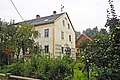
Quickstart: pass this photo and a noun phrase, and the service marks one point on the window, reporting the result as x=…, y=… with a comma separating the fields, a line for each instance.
x=69, y=37
x=39, y=35
x=65, y=18
x=46, y=32
x=46, y=49
x=62, y=48
x=62, y=35
x=63, y=22
x=68, y=26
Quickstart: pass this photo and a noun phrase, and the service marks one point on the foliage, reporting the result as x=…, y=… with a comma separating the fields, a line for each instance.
x=13, y=38
x=43, y=67
x=6, y=34
x=24, y=38
x=88, y=32
x=83, y=44
x=103, y=54
x=77, y=34
x=78, y=75
x=79, y=65
x=91, y=32
x=103, y=31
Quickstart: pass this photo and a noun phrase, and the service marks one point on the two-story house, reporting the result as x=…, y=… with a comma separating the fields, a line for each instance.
x=56, y=33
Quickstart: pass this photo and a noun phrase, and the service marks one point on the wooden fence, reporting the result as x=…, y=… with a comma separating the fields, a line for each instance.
x=8, y=76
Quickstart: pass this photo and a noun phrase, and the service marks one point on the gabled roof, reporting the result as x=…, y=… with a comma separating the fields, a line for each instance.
x=70, y=22
x=84, y=36
x=81, y=38
x=44, y=20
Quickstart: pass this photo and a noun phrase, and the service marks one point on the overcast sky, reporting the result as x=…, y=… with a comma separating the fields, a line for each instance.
x=83, y=13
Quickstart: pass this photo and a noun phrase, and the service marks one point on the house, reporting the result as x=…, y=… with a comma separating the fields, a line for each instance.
x=56, y=33
x=78, y=40
x=81, y=38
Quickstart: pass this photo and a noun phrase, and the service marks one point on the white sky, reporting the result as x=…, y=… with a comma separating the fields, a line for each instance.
x=83, y=13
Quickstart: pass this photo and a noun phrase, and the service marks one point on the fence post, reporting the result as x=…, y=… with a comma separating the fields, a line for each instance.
x=7, y=75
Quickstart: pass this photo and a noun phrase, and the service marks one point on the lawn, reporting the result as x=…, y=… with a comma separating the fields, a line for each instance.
x=78, y=75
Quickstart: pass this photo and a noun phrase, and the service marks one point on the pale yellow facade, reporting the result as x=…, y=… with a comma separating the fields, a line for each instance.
x=56, y=40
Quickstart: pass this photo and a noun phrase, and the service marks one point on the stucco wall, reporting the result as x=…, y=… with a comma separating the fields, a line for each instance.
x=54, y=40
x=59, y=27
x=42, y=40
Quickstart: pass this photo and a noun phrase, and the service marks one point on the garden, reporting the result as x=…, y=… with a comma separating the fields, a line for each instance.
x=98, y=59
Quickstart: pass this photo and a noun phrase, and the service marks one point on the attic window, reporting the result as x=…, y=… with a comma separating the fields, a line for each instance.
x=68, y=26
x=65, y=18
x=46, y=20
x=63, y=22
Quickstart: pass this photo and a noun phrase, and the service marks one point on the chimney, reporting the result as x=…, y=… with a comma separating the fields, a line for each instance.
x=37, y=16
x=54, y=12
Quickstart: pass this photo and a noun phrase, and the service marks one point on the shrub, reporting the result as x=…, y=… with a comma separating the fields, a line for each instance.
x=42, y=67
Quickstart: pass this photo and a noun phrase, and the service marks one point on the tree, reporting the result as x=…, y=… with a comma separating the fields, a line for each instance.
x=13, y=38
x=77, y=34
x=6, y=43
x=114, y=52
x=91, y=32
x=24, y=38
x=88, y=32
x=104, y=51
x=95, y=30
x=103, y=31
x=83, y=44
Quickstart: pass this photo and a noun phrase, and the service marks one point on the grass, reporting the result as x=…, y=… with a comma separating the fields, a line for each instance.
x=2, y=78
x=78, y=75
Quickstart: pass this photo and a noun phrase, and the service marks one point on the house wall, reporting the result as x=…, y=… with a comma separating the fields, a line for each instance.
x=62, y=42
x=42, y=40
x=79, y=40
x=54, y=40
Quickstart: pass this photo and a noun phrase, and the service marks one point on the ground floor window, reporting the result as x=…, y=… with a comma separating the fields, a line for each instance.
x=62, y=48
x=46, y=48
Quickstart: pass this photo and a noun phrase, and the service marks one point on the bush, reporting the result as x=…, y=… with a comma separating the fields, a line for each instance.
x=42, y=67
x=79, y=65
x=78, y=75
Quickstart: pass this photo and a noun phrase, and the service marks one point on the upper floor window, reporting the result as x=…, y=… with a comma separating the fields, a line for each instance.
x=68, y=26
x=46, y=33
x=39, y=35
x=46, y=48
x=69, y=37
x=63, y=22
x=62, y=35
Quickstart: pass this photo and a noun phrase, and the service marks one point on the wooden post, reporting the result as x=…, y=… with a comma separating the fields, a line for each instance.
x=7, y=75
